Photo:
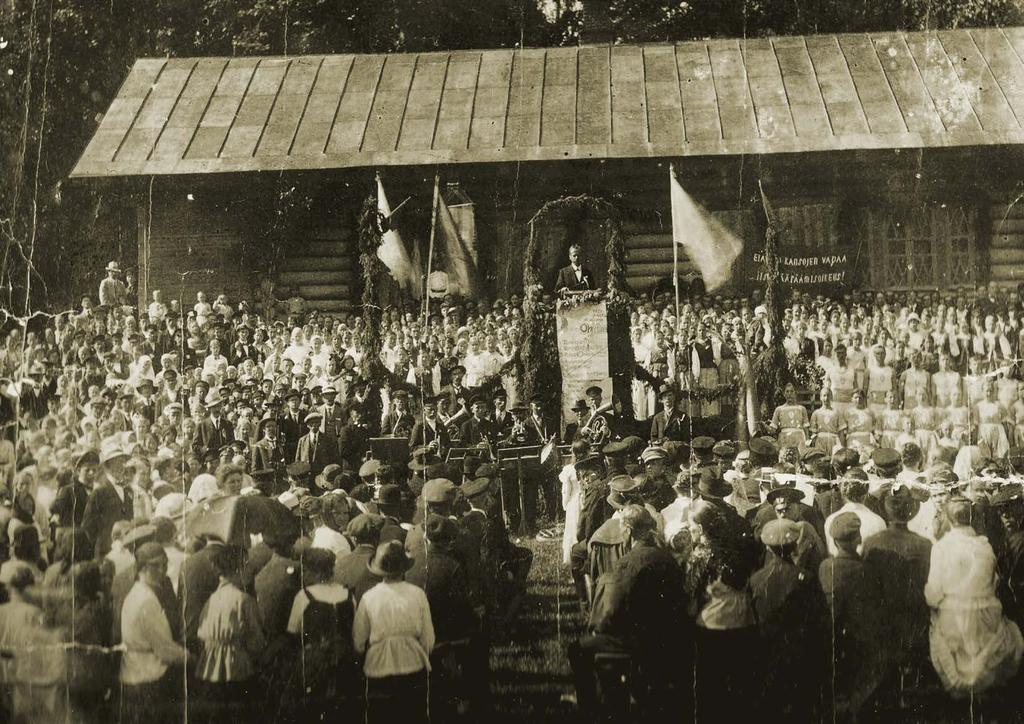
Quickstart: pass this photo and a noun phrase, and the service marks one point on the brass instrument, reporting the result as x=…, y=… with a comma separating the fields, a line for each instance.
x=597, y=432
x=454, y=423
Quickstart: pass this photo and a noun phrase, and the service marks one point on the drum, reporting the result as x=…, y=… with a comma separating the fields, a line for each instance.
x=551, y=458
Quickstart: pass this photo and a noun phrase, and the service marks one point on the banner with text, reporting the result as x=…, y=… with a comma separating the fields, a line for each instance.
x=583, y=352
x=809, y=270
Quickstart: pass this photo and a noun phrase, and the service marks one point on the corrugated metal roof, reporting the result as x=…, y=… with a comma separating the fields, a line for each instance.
x=813, y=93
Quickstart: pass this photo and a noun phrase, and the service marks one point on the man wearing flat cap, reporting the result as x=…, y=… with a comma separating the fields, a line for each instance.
x=112, y=499
x=852, y=592
x=429, y=430
x=477, y=428
x=901, y=559
x=333, y=413
x=315, y=447
x=790, y=611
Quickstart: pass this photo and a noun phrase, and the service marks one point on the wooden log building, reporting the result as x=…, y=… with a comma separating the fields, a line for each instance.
x=901, y=151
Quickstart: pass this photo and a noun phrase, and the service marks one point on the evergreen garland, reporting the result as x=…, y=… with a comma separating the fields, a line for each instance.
x=371, y=224
x=540, y=372
x=772, y=370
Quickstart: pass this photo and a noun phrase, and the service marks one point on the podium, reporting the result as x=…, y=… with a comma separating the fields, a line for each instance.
x=516, y=459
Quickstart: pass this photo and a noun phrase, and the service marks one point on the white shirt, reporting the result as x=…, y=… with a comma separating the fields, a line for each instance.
x=393, y=626
x=147, y=638
x=870, y=524
x=331, y=540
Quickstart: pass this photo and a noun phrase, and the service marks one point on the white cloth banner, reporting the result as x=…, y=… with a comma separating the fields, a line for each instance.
x=583, y=352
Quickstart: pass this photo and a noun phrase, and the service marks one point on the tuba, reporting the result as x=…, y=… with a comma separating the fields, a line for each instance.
x=597, y=432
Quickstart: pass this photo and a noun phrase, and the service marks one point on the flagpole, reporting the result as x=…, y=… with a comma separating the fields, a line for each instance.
x=675, y=253
x=430, y=248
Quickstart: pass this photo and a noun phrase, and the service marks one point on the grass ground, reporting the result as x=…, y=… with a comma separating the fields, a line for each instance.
x=529, y=667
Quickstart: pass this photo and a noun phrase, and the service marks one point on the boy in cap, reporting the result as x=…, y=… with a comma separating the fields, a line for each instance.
x=852, y=593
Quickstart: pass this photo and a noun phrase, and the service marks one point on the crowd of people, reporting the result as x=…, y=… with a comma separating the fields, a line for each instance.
x=246, y=507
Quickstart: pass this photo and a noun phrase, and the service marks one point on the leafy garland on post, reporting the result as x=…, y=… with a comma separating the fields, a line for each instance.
x=771, y=366
x=540, y=372
x=371, y=224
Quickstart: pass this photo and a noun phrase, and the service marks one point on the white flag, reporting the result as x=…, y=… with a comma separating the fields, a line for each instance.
x=392, y=251
x=712, y=247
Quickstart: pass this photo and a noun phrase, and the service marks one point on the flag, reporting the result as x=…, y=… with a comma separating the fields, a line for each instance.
x=417, y=267
x=711, y=246
x=392, y=251
x=459, y=261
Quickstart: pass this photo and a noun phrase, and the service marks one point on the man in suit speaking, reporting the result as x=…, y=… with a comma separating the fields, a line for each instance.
x=575, y=277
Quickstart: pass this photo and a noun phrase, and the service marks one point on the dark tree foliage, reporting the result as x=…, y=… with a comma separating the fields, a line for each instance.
x=62, y=61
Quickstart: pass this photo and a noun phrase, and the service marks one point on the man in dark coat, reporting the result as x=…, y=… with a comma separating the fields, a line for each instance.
x=388, y=500
x=429, y=428
x=797, y=511
x=316, y=448
x=275, y=586
x=456, y=395
x=671, y=423
x=901, y=559
x=353, y=440
x=111, y=501
x=640, y=608
x=398, y=422
x=852, y=593
x=575, y=277
x=268, y=452
x=213, y=431
x=789, y=609
x=437, y=570
x=1008, y=503
x=71, y=501
x=197, y=581
x=477, y=428
x=350, y=570
x=291, y=425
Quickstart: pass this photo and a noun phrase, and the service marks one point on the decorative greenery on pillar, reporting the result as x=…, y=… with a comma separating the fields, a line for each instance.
x=540, y=372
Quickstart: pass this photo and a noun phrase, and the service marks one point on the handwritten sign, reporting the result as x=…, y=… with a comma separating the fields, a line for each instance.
x=583, y=352
x=808, y=270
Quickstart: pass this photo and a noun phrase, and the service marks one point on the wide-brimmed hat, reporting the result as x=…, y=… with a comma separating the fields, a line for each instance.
x=213, y=399
x=390, y=495
x=422, y=459
x=389, y=560
x=113, y=266
x=111, y=450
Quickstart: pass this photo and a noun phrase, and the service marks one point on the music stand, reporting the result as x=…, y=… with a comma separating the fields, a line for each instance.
x=456, y=454
x=513, y=458
x=393, y=450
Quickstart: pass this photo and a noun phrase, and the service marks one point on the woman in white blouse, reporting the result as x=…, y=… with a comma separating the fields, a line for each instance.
x=394, y=628
x=973, y=646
